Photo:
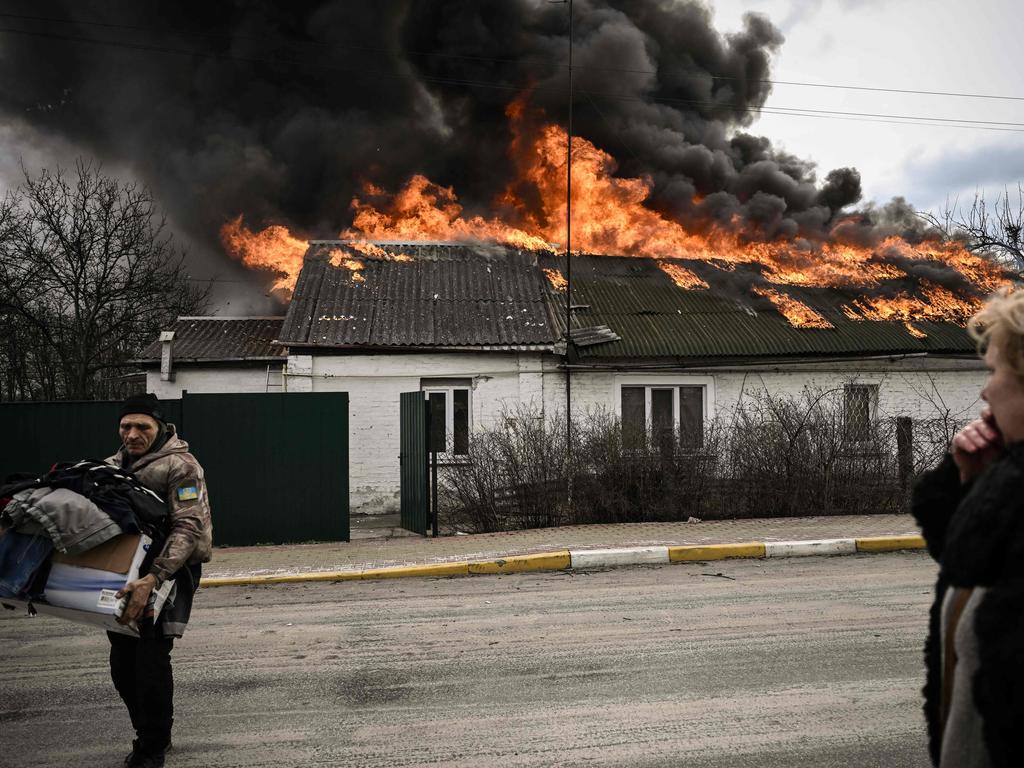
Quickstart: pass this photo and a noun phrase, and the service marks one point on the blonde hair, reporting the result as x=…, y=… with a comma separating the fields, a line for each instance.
x=1001, y=321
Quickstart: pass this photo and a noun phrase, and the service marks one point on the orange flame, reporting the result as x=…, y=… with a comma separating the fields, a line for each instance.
x=424, y=210
x=273, y=248
x=797, y=313
x=682, y=276
x=557, y=280
x=609, y=216
x=375, y=251
x=939, y=304
x=343, y=260
x=917, y=333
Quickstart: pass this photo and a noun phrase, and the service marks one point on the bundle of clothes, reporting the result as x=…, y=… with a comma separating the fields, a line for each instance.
x=71, y=509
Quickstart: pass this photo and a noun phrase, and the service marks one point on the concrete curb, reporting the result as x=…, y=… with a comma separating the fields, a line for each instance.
x=561, y=560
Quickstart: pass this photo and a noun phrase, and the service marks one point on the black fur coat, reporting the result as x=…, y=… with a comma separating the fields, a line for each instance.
x=976, y=534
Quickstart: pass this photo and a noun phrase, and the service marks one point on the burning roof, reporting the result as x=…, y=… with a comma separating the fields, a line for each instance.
x=464, y=295
x=882, y=276
x=739, y=315
x=420, y=295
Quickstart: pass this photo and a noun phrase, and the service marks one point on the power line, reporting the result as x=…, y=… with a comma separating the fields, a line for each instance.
x=880, y=90
x=897, y=122
x=793, y=111
x=500, y=60
x=864, y=117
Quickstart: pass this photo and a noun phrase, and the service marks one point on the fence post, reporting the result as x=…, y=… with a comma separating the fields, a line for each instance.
x=905, y=449
x=433, y=484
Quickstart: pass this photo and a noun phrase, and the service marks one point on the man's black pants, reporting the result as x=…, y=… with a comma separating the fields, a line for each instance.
x=141, y=671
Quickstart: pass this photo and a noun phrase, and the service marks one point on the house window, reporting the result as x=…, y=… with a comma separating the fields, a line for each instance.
x=860, y=405
x=449, y=415
x=664, y=414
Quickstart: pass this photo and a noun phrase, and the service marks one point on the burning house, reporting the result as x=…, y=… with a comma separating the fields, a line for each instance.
x=480, y=328
x=674, y=321
x=416, y=221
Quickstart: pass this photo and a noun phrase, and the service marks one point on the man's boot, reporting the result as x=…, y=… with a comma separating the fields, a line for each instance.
x=147, y=758
x=131, y=755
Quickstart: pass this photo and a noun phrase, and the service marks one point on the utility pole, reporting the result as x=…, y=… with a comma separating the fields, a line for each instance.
x=568, y=270
x=568, y=253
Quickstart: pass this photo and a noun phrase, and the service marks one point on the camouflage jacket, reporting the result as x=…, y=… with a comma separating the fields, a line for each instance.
x=174, y=473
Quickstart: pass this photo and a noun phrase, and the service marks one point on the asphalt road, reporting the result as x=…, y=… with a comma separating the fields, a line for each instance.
x=772, y=663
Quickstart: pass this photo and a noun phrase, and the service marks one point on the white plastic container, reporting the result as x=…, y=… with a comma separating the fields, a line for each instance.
x=84, y=588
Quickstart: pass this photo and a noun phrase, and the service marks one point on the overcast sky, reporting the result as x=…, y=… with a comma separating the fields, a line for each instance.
x=931, y=45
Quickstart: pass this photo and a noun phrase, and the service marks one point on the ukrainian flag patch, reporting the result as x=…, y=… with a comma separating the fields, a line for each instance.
x=191, y=493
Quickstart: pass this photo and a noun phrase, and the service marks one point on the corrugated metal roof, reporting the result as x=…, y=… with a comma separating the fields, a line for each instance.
x=655, y=318
x=209, y=339
x=595, y=334
x=466, y=295
x=441, y=295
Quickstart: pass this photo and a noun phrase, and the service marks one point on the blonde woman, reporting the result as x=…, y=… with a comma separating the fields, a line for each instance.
x=971, y=512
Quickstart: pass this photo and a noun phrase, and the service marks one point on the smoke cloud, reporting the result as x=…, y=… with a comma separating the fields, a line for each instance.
x=281, y=112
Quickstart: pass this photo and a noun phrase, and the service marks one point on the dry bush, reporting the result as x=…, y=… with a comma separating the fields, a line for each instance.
x=513, y=477
x=795, y=455
x=774, y=455
x=649, y=481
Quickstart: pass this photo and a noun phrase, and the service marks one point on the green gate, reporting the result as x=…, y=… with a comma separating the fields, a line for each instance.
x=414, y=460
x=276, y=464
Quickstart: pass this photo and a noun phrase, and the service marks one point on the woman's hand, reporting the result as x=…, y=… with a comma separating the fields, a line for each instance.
x=976, y=445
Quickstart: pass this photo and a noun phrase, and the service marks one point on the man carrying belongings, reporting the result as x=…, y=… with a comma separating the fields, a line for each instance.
x=121, y=539
x=141, y=667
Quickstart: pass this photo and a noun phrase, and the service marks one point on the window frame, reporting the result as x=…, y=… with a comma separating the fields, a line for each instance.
x=673, y=383
x=428, y=387
x=873, y=389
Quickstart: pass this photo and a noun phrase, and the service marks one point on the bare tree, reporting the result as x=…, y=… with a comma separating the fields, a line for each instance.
x=88, y=275
x=994, y=230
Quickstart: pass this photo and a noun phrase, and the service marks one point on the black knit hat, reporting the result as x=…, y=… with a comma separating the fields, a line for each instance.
x=147, y=404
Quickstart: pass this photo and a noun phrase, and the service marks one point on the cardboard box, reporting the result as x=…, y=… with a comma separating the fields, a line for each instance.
x=115, y=556
x=84, y=587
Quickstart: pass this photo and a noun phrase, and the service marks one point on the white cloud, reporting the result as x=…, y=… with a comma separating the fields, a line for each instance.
x=988, y=169
x=946, y=46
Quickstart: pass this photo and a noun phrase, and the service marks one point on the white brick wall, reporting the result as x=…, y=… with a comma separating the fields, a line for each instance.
x=374, y=382
x=917, y=388
x=914, y=387
x=198, y=380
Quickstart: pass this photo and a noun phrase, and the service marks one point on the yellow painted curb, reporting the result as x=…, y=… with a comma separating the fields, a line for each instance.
x=889, y=543
x=434, y=569
x=547, y=561
x=692, y=552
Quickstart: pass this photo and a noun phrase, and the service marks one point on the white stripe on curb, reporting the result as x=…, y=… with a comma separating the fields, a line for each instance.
x=595, y=558
x=804, y=548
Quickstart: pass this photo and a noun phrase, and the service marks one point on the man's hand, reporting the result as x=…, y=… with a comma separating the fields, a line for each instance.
x=976, y=445
x=138, y=592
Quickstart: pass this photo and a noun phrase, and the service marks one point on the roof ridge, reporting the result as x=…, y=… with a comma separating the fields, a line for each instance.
x=229, y=317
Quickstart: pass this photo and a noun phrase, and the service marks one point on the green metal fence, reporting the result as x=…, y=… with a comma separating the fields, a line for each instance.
x=276, y=464
x=34, y=436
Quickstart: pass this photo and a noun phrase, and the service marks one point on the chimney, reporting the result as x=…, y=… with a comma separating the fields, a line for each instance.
x=166, y=338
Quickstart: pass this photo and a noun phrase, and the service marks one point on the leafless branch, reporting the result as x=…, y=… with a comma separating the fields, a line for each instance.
x=88, y=275
x=994, y=230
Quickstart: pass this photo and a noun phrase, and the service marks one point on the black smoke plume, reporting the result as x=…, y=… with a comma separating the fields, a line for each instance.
x=281, y=111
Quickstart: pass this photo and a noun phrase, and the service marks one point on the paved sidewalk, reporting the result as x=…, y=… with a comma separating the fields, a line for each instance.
x=391, y=549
